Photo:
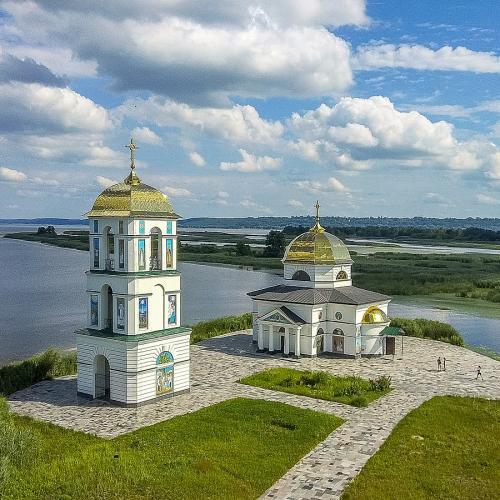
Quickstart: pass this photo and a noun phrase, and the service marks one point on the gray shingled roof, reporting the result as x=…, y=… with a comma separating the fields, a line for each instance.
x=294, y=317
x=300, y=295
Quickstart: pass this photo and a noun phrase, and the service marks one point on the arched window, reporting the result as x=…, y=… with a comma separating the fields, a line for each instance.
x=301, y=276
x=281, y=331
x=338, y=331
x=320, y=331
x=338, y=341
x=164, y=373
x=342, y=275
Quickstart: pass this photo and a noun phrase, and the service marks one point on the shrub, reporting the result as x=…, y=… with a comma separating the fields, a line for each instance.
x=314, y=378
x=52, y=363
x=359, y=401
x=212, y=328
x=382, y=383
x=429, y=329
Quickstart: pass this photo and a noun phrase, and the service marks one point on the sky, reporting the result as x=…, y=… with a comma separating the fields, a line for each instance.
x=252, y=108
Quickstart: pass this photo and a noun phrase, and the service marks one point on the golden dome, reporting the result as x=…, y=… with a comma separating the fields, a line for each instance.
x=374, y=315
x=131, y=198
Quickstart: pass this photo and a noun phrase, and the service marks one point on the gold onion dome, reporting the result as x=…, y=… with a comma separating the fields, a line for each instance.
x=316, y=246
x=375, y=315
x=131, y=198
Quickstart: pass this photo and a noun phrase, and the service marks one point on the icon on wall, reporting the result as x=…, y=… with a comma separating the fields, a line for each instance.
x=172, y=309
x=170, y=227
x=94, y=310
x=164, y=373
x=96, y=252
x=170, y=253
x=120, y=316
x=142, y=227
x=141, y=245
x=143, y=312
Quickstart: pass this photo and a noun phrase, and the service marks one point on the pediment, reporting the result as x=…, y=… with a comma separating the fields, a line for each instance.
x=280, y=316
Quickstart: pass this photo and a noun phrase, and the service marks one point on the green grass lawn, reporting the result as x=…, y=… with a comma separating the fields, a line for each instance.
x=354, y=391
x=235, y=449
x=446, y=449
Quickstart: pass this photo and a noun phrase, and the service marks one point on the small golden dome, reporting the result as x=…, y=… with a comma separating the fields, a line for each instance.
x=375, y=315
x=131, y=197
x=316, y=246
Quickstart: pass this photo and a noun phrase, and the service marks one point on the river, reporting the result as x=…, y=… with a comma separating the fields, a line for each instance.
x=42, y=299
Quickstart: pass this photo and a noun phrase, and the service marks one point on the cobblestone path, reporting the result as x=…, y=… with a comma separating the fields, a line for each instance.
x=216, y=366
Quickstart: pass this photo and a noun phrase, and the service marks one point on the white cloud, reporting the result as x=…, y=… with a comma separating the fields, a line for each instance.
x=238, y=124
x=487, y=199
x=423, y=58
x=251, y=163
x=178, y=192
x=34, y=107
x=296, y=203
x=145, y=135
x=317, y=187
x=12, y=175
x=197, y=159
x=249, y=203
x=493, y=171
x=105, y=182
x=223, y=194
x=336, y=185
x=178, y=53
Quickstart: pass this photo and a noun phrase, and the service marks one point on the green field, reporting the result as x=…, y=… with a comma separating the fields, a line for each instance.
x=353, y=391
x=235, y=449
x=446, y=449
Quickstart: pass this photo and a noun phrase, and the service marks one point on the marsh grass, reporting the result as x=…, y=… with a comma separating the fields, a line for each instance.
x=212, y=328
x=354, y=391
x=429, y=329
x=445, y=449
x=234, y=449
x=52, y=363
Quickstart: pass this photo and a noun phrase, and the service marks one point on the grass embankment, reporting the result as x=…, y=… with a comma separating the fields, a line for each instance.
x=234, y=449
x=429, y=329
x=353, y=391
x=66, y=240
x=445, y=449
x=50, y=364
x=53, y=363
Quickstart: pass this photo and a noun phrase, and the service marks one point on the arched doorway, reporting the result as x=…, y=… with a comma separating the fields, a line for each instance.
x=102, y=379
x=107, y=307
x=338, y=341
x=281, y=333
x=155, y=259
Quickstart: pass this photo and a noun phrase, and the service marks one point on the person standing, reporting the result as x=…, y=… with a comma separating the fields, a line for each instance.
x=444, y=363
x=439, y=364
x=479, y=374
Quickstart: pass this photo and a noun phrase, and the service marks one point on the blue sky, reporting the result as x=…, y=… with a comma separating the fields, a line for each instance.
x=382, y=108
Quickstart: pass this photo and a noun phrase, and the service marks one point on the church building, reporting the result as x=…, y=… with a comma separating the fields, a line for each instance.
x=317, y=310
x=134, y=348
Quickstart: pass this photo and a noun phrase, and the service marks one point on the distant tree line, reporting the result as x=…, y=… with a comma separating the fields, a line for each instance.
x=471, y=234
x=46, y=230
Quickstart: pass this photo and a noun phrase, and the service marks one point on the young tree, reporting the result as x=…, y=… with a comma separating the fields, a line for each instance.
x=275, y=244
x=243, y=248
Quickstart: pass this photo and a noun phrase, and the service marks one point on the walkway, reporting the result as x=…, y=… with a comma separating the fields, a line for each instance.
x=218, y=363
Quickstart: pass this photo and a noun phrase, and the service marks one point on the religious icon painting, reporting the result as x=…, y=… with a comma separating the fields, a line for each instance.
x=172, y=310
x=120, y=313
x=170, y=227
x=164, y=373
x=96, y=252
x=170, y=253
x=94, y=310
x=96, y=226
x=141, y=245
x=143, y=312
x=142, y=228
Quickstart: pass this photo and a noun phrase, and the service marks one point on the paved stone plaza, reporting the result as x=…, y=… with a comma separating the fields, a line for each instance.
x=218, y=363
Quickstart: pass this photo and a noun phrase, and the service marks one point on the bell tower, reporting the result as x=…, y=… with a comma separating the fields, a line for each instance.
x=134, y=348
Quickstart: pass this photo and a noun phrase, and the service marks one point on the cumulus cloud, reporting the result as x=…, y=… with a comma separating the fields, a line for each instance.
x=13, y=69
x=105, y=182
x=423, y=58
x=251, y=204
x=12, y=175
x=177, y=192
x=191, y=60
x=486, y=199
x=34, y=107
x=295, y=203
x=197, y=159
x=251, y=163
x=238, y=124
x=317, y=187
x=145, y=135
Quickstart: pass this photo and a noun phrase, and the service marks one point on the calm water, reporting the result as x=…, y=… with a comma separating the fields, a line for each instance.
x=42, y=299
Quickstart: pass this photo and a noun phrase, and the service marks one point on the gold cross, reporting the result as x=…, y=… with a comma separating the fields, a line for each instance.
x=132, y=148
x=317, y=210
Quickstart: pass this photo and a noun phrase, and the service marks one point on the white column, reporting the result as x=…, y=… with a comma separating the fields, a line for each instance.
x=287, y=341
x=260, y=337
x=297, y=341
x=271, y=338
